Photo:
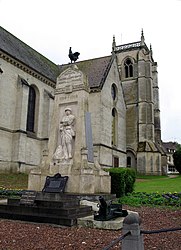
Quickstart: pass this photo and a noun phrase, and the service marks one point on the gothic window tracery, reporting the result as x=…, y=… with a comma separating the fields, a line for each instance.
x=128, y=67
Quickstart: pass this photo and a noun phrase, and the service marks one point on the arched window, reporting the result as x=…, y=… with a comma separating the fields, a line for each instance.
x=114, y=127
x=30, y=125
x=114, y=91
x=128, y=66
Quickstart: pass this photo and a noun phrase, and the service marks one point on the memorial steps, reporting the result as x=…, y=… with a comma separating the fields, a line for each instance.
x=54, y=208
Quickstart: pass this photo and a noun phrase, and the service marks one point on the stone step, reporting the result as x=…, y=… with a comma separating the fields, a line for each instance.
x=68, y=212
x=64, y=217
x=62, y=221
x=56, y=208
x=57, y=204
x=74, y=196
x=47, y=203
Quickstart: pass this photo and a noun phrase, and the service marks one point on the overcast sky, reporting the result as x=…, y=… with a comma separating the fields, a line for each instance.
x=51, y=27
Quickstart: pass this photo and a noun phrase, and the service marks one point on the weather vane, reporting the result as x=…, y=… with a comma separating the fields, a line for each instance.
x=73, y=56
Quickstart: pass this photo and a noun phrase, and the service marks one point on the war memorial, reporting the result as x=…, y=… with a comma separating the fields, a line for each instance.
x=71, y=122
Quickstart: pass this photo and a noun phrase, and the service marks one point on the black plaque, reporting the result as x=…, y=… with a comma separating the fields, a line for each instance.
x=28, y=198
x=55, y=184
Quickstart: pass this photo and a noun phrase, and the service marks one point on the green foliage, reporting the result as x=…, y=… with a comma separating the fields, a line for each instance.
x=178, y=147
x=122, y=180
x=177, y=158
x=5, y=193
x=152, y=199
x=160, y=191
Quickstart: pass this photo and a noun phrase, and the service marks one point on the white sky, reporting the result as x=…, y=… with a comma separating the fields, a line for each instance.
x=51, y=27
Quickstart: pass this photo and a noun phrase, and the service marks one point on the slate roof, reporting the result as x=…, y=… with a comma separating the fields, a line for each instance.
x=25, y=54
x=96, y=70
x=169, y=145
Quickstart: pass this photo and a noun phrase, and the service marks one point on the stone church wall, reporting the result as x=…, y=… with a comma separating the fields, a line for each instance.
x=20, y=150
x=151, y=160
x=101, y=105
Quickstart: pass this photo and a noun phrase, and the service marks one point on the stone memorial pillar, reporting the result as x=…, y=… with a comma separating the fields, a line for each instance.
x=70, y=148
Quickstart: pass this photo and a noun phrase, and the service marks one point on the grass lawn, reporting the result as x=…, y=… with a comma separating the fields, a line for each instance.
x=161, y=184
x=14, y=181
x=148, y=184
x=148, y=189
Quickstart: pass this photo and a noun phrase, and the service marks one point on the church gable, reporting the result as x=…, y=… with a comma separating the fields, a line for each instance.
x=113, y=87
x=113, y=106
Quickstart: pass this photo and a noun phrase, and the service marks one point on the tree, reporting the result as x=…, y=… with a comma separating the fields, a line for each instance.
x=177, y=158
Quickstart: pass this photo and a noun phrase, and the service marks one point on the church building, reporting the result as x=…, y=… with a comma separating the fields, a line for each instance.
x=122, y=96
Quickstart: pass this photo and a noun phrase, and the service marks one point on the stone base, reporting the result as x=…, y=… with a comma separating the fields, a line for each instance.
x=36, y=180
x=82, y=181
x=89, y=222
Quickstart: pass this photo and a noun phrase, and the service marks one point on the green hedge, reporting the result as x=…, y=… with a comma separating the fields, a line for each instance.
x=122, y=180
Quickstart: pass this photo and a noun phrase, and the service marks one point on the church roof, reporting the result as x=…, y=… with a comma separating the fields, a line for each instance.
x=169, y=146
x=96, y=70
x=28, y=56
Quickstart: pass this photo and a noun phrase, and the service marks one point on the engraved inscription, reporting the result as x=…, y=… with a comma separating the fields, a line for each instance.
x=67, y=98
x=70, y=76
x=28, y=198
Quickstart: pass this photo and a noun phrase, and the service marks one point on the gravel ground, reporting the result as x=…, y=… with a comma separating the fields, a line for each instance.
x=26, y=236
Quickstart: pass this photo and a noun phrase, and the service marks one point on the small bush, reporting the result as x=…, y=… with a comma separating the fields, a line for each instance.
x=177, y=160
x=5, y=193
x=122, y=181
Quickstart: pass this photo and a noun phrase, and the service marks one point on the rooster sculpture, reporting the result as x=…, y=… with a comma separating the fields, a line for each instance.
x=73, y=56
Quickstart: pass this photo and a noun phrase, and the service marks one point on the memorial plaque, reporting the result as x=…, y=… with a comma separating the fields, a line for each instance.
x=88, y=133
x=55, y=184
x=28, y=198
